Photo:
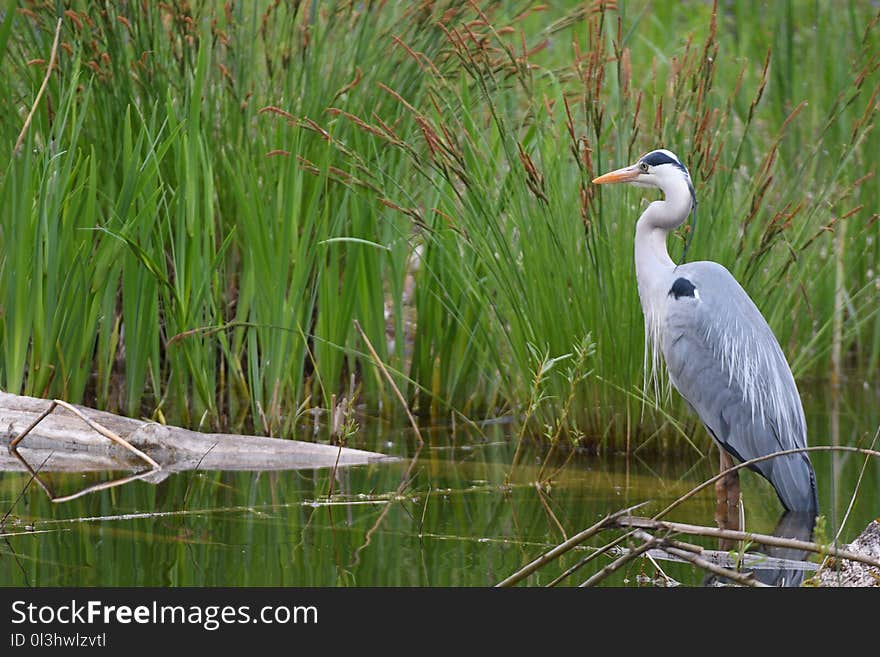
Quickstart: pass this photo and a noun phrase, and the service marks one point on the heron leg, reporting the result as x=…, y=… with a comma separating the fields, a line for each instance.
x=727, y=495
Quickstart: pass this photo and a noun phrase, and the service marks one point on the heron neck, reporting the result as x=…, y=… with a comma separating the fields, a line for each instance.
x=653, y=264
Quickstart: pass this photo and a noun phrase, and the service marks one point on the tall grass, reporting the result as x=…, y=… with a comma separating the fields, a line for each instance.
x=209, y=196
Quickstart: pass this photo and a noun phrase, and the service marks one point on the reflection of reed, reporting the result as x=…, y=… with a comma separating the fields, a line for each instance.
x=836, y=457
x=405, y=481
x=786, y=562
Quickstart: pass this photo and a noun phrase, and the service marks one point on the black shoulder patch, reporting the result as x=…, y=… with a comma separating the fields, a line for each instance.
x=682, y=287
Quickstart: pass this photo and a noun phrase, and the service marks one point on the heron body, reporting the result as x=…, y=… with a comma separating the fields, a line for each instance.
x=721, y=355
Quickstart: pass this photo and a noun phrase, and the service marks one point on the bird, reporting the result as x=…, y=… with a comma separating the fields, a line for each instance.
x=719, y=351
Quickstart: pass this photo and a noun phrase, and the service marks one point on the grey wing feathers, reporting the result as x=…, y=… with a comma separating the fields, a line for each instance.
x=724, y=359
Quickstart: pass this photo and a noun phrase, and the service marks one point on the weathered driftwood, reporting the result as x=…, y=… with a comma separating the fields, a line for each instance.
x=750, y=561
x=62, y=441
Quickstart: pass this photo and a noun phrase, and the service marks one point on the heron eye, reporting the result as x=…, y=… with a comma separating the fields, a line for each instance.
x=643, y=166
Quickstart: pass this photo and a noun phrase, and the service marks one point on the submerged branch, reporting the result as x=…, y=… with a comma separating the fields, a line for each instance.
x=691, y=554
x=636, y=526
x=734, y=535
x=621, y=561
x=563, y=547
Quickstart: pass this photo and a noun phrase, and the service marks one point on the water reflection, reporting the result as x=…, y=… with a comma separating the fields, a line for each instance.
x=781, y=566
x=794, y=525
x=55, y=446
x=454, y=514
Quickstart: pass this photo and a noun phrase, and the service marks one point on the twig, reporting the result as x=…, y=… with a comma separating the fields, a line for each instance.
x=102, y=486
x=94, y=425
x=333, y=472
x=650, y=557
x=31, y=532
x=655, y=522
x=30, y=116
x=404, y=482
x=587, y=559
x=22, y=491
x=745, y=464
x=107, y=433
x=194, y=472
x=563, y=547
x=730, y=534
x=85, y=491
x=424, y=511
x=621, y=561
x=750, y=560
x=852, y=501
x=381, y=366
x=691, y=555
x=189, y=546
x=549, y=511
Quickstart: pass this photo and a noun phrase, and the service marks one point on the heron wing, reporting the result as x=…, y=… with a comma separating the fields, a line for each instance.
x=725, y=361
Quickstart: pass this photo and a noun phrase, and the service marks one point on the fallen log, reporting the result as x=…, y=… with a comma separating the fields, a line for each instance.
x=51, y=436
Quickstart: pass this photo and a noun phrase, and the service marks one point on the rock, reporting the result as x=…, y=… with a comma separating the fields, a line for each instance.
x=842, y=572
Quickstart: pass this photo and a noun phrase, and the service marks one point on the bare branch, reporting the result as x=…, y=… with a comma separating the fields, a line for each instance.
x=691, y=554
x=563, y=547
x=734, y=535
x=745, y=464
x=397, y=392
x=621, y=561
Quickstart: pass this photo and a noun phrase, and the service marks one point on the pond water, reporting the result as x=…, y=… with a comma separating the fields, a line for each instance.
x=452, y=513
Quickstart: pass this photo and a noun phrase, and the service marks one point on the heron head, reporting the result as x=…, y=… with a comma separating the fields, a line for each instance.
x=663, y=170
x=660, y=168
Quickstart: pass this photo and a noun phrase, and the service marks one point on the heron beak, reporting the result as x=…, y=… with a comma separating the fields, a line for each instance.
x=626, y=174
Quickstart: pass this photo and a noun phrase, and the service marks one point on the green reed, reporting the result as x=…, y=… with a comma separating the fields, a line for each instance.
x=208, y=197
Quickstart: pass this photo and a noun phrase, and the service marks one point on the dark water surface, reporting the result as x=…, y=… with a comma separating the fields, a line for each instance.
x=450, y=514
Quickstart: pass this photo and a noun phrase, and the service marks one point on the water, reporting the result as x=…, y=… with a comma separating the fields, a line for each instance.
x=450, y=514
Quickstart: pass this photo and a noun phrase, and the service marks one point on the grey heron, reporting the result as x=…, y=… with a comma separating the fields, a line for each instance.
x=719, y=351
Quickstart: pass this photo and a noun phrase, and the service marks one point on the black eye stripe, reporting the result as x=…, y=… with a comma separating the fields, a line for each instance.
x=656, y=158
